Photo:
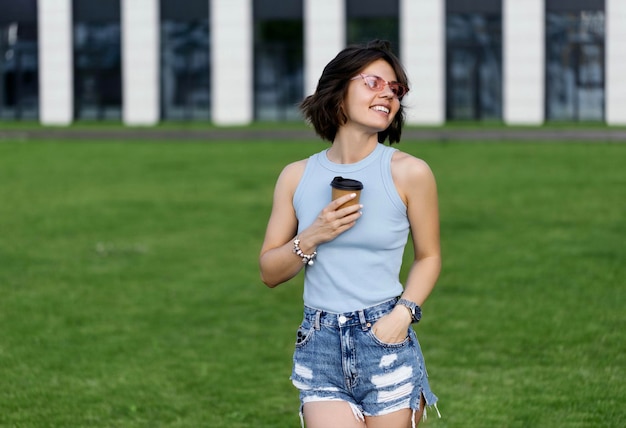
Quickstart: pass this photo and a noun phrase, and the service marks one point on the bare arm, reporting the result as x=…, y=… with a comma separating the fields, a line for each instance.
x=277, y=262
x=416, y=185
x=423, y=213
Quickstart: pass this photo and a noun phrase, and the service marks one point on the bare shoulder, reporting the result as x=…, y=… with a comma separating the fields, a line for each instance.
x=295, y=169
x=408, y=170
x=412, y=176
x=290, y=176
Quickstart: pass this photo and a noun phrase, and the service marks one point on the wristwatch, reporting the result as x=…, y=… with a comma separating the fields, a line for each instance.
x=416, y=311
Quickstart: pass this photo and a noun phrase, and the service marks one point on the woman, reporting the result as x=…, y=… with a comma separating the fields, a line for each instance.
x=357, y=362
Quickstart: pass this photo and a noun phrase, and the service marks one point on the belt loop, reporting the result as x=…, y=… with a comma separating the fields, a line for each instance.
x=318, y=314
x=363, y=320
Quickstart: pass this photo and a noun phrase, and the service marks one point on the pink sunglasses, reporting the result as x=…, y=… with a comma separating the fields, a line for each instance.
x=376, y=83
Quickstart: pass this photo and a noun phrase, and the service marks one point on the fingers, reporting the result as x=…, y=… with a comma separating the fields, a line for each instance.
x=341, y=200
x=333, y=220
x=344, y=205
x=346, y=223
x=341, y=216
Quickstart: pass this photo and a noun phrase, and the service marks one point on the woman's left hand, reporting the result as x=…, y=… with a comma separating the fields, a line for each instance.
x=393, y=327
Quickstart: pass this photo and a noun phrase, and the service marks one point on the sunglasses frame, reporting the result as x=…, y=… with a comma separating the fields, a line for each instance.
x=394, y=86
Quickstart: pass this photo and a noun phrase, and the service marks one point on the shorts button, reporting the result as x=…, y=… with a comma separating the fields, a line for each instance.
x=342, y=319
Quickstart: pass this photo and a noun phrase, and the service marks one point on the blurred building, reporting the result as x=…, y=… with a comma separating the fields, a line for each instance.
x=233, y=62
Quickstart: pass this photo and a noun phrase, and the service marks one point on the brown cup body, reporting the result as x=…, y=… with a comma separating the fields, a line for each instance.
x=345, y=186
x=337, y=193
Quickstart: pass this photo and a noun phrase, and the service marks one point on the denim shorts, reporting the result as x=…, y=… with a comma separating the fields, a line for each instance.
x=338, y=357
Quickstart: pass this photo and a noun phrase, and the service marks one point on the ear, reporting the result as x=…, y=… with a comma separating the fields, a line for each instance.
x=342, y=117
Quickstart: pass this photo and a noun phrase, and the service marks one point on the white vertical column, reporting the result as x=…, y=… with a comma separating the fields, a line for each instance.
x=56, y=103
x=231, y=61
x=140, y=61
x=523, y=23
x=422, y=51
x=324, y=37
x=615, y=85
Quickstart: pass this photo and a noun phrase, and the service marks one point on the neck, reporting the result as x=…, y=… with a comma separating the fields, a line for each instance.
x=351, y=148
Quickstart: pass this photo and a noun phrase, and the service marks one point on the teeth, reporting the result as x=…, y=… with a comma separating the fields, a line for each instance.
x=381, y=108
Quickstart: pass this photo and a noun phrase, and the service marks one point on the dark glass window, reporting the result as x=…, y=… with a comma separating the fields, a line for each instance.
x=97, y=60
x=19, y=65
x=278, y=60
x=185, y=60
x=473, y=61
x=367, y=20
x=575, y=62
x=573, y=5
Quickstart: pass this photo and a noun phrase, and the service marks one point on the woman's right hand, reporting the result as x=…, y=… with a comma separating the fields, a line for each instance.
x=332, y=221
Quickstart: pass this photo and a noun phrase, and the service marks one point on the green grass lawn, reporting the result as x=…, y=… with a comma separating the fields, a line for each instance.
x=130, y=294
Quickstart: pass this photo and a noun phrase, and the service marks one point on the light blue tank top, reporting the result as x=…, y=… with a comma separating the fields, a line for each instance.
x=361, y=267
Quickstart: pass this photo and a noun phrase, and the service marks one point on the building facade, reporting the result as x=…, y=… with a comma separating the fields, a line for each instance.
x=232, y=62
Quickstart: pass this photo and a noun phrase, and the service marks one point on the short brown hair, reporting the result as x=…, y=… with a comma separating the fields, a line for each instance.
x=324, y=109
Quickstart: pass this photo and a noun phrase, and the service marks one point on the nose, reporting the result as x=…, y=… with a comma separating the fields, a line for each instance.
x=387, y=92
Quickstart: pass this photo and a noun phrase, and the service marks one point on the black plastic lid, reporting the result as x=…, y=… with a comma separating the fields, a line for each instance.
x=346, y=184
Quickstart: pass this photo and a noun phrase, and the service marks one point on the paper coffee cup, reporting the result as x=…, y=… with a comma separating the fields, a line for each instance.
x=344, y=186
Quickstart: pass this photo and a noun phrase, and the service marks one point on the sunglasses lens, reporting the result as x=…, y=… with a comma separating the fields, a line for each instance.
x=397, y=89
x=374, y=82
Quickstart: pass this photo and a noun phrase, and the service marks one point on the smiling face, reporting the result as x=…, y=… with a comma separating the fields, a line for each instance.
x=342, y=100
x=370, y=110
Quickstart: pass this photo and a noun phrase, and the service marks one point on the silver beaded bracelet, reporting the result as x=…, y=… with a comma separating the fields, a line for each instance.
x=306, y=258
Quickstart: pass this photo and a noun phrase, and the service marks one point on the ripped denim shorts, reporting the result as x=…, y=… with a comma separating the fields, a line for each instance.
x=338, y=357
